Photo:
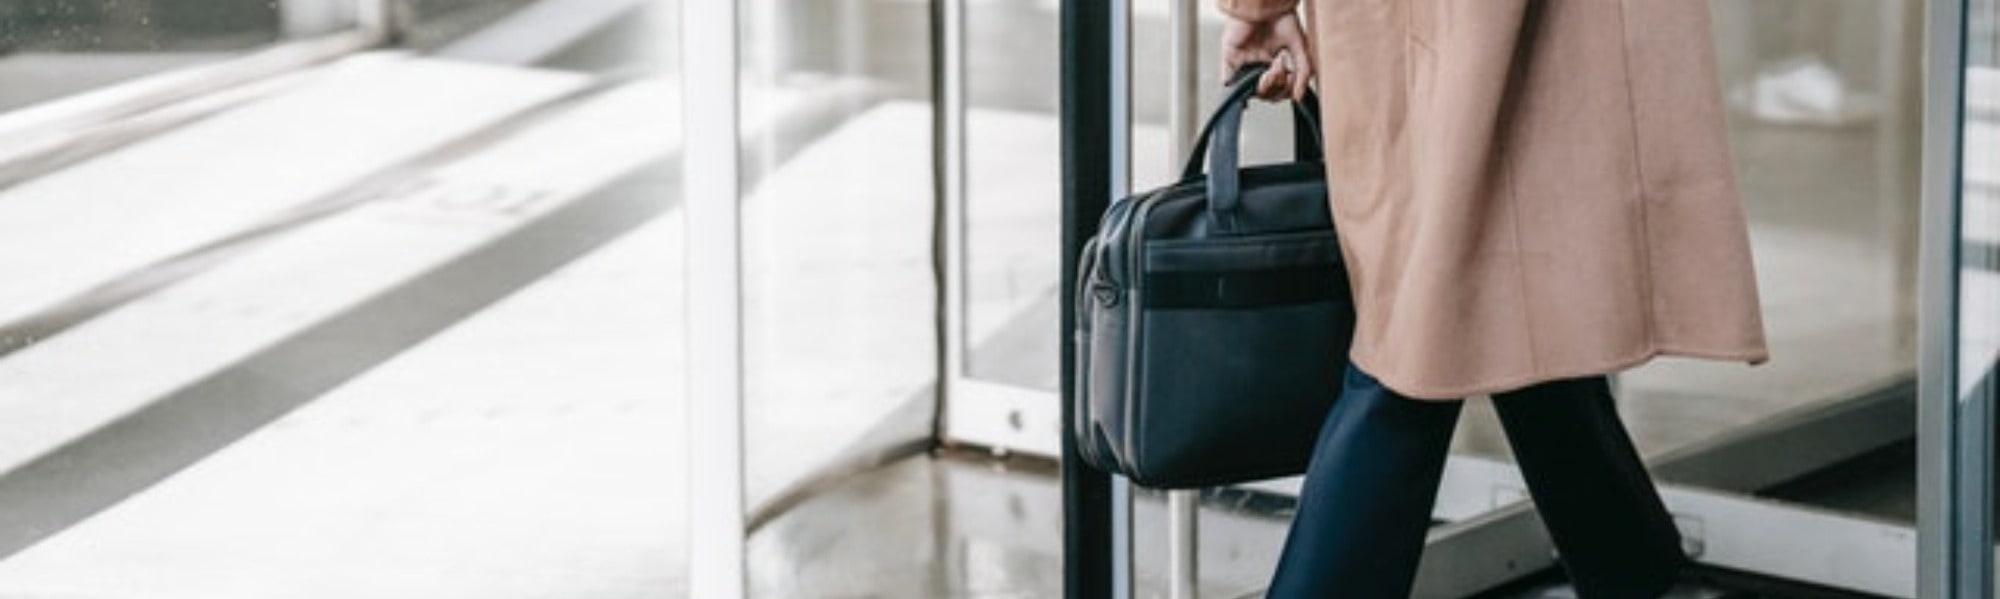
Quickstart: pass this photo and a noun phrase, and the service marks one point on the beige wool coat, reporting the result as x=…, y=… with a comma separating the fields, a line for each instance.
x=1529, y=190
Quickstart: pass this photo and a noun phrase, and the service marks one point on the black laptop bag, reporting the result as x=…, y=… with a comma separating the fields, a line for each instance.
x=1214, y=316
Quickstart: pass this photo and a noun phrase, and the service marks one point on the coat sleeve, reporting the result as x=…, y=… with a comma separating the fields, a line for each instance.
x=1256, y=10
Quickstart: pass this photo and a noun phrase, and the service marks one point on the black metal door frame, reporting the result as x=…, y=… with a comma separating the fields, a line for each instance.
x=1087, y=143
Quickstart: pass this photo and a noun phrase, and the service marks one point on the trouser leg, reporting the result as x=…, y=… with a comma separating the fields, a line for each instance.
x=1614, y=536
x=1366, y=503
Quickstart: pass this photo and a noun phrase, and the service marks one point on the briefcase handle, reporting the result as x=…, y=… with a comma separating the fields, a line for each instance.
x=1224, y=129
x=1306, y=146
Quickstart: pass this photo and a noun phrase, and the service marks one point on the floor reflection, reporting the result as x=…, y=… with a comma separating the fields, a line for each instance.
x=961, y=526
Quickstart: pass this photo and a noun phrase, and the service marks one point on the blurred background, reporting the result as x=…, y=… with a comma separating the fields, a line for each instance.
x=326, y=298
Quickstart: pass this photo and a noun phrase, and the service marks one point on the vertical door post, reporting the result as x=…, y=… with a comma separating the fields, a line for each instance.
x=1183, y=507
x=1122, y=491
x=710, y=189
x=1085, y=31
x=950, y=221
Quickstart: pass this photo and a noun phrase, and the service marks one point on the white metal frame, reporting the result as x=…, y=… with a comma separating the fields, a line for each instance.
x=1183, y=507
x=972, y=419
x=1004, y=417
x=979, y=412
x=711, y=191
x=1123, y=569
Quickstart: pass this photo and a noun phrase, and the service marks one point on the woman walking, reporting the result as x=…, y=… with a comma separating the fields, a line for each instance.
x=1531, y=195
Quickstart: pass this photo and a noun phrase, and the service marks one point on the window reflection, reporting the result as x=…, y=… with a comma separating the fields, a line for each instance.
x=55, y=48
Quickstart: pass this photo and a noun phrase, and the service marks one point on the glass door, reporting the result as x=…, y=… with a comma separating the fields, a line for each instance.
x=1003, y=190
x=813, y=290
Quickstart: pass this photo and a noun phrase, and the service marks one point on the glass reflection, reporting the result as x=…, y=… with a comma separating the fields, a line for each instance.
x=1012, y=180
x=55, y=48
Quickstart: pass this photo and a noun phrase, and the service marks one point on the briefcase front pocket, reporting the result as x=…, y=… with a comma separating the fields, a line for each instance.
x=1239, y=356
x=1242, y=414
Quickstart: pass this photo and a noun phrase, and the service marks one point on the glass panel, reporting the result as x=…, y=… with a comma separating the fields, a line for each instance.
x=1823, y=116
x=840, y=319
x=55, y=48
x=405, y=327
x=1013, y=185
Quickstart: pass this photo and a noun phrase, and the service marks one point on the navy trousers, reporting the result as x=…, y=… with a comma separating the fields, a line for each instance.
x=1366, y=503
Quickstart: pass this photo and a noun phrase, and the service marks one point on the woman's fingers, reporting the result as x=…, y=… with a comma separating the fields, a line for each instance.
x=1276, y=81
x=1282, y=43
x=1302, y=75
x=1299, y=58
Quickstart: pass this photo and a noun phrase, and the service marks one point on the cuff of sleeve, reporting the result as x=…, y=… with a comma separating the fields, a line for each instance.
x=1257, y=10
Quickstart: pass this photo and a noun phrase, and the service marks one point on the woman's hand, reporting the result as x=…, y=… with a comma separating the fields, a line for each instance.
x=1279, y=41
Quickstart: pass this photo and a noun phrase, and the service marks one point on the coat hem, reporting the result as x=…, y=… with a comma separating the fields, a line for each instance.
x=1751, y=356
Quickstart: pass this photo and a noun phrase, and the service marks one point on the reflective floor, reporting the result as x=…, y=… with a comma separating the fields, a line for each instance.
x=965, y=526
x=530, y=450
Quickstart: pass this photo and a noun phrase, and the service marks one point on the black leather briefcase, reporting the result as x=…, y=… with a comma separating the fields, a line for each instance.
x=1214, y=316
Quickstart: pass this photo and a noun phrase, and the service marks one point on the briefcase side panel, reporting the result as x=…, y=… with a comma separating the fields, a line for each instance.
x=1087, y=418
x=1107, y=297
